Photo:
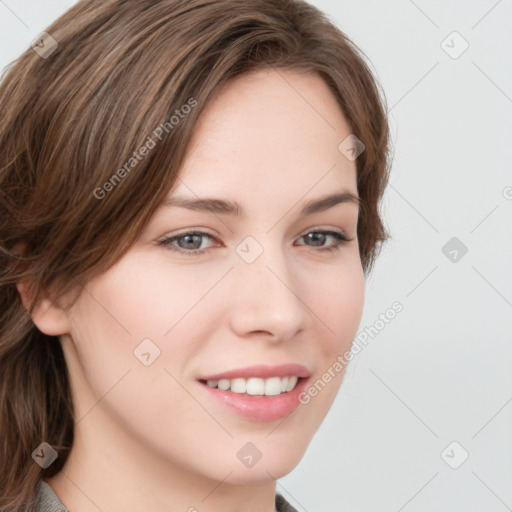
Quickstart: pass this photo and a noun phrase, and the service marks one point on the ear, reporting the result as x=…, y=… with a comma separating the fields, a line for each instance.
x=49, y=317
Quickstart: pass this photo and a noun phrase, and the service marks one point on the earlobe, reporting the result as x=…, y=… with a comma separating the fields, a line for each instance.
x=49, y=318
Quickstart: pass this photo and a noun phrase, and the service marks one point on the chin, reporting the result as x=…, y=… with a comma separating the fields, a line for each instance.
x=264, y=471
x=271, y=458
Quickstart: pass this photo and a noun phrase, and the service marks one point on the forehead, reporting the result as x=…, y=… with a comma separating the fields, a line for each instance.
x=269, y=132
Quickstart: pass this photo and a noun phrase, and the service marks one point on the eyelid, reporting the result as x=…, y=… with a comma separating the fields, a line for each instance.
x=325, y=228
x=204, y=231
x=190, y=231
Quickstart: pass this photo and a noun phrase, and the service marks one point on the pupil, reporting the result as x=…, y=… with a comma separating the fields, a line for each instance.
x=188, y=240
x=317, y=237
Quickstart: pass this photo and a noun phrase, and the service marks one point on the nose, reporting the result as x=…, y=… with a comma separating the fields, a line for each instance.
x=268, y=300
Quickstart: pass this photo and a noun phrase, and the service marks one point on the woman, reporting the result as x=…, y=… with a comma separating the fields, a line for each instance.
x=189, y=208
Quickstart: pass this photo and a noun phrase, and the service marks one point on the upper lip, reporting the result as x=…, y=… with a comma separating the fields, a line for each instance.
x=262, y=371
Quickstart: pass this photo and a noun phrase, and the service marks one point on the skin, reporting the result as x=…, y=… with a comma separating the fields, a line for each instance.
x=147, y=437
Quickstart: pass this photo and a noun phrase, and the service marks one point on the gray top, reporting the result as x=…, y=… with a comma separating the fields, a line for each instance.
x=48, y=501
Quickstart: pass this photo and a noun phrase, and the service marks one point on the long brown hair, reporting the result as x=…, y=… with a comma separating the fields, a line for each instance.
x=77, y=187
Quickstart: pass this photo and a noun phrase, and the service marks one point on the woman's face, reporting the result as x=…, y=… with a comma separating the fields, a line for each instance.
x=253, y=297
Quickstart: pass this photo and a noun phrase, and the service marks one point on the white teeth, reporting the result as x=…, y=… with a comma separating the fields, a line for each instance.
x=224, y=384
x=273, y=386
x=238, y=385
x=292, y=382
x=255, y=385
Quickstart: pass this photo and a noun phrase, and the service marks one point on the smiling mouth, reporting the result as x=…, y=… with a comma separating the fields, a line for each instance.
x=255, y=386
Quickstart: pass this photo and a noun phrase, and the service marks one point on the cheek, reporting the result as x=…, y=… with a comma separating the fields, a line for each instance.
x=338, y=302
x=337, y=299
x=150, y=298
x=134, y=302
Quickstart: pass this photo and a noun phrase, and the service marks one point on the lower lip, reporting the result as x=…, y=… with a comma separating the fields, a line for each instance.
x=260, y=407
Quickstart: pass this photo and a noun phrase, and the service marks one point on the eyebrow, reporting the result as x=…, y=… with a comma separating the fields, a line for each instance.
x=220, y=206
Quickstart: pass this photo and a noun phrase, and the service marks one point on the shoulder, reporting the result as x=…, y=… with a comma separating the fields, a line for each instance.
x=47, y=500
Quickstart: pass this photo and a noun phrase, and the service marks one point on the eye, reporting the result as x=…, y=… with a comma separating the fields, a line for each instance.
x=188, y=243
x=318, y=239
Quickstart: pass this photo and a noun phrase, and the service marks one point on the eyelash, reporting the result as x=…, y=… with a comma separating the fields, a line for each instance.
x=340, y=239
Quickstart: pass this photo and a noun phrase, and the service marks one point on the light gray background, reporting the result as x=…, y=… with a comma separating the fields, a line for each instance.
x=440, y=371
